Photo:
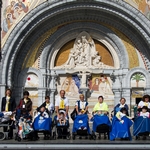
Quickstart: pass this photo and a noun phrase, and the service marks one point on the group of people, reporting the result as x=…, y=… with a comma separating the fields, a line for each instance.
x=61, y=108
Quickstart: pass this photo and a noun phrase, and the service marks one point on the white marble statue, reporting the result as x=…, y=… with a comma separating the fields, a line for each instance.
x=84, y=55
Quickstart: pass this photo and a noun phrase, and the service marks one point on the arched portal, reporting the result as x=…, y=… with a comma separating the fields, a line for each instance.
x=40, y=35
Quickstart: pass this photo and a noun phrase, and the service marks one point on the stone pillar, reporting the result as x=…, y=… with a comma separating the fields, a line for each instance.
x=127, y=95
x=2, y=92
x=18, y=93
x=41, y=95
x=117, y=89
x=44, y=80
x=53, y=86
x=52, y=95
x=84, y=91
x=116, y=96
x=147, y=91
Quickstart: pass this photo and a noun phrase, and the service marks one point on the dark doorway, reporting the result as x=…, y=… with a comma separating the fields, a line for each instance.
x=137, y=100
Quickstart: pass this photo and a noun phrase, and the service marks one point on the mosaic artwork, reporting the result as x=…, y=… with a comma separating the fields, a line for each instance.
x=101, y=85
x=14, y=10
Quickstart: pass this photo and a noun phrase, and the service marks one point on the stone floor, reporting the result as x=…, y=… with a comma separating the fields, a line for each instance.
x=75, y=144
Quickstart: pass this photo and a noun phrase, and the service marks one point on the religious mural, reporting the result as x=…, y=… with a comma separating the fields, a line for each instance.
x=101, y=85
x=138, y=83
x=138, y=80
x=141, y=5
x=71, y=84
x=14, y=10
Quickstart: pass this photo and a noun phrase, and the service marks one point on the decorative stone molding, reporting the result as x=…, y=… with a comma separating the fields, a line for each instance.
x=127, y=15
x=128, y=76
x=22, y=76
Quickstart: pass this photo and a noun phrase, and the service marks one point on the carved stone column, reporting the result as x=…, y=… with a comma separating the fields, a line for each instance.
x=53, y=86
x=84, y=86
x=116, y=96
x=41, y=95
x=126, y=93
x=84, y=91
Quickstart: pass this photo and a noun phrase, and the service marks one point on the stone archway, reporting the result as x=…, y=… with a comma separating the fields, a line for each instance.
x=36, y=25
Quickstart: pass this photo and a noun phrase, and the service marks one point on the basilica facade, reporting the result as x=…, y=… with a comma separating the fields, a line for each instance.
x=94, y=47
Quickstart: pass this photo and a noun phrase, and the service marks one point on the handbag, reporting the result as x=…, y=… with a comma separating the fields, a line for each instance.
x=73, y=114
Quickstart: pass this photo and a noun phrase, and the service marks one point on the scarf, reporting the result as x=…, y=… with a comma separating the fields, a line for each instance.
x=121, y=106
x=146, y=104
x=82, y=105
x=62, y=105
x=47, y=105
x=7, y=103
x=25, y=100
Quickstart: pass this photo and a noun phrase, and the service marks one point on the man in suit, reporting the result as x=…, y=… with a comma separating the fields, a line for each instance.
x=8, y=104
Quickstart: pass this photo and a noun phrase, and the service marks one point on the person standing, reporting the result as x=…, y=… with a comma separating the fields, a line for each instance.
x=8, y=104
x=24, y=106
x=62, y=103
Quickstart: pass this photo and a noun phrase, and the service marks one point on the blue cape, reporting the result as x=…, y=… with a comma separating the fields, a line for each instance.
x=141, y=125
x=42, y=124
x=1, y=114
x=120, y=130
x=81, y=121
x=100, y=119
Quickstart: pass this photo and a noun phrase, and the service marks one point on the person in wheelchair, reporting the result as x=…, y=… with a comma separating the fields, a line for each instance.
x=49, y=106
x=42, y=112
x=81, y=105
x=100, y=107
x=144, y=102
x=142, y=123
x=41, y=116
x=121, y=105
x=62, y=120
x=121, y=124
x=144, y=113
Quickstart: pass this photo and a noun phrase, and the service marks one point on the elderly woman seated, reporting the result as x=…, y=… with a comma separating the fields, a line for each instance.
x=101, y=107
x=120, y=105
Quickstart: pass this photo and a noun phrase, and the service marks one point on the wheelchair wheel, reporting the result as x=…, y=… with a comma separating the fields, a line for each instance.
x=73, y=136
x=54, y=135
x=2, y=135
x=137, y=138
x=68, y=137
x=19, y=139
x=99, y=137
x=89, y=137
x=93, y=135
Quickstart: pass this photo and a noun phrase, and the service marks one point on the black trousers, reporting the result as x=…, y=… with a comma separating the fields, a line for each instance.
x=62, y=132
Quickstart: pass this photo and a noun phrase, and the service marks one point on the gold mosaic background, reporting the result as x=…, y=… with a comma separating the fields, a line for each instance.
x=63, y=54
